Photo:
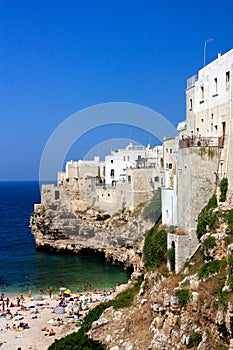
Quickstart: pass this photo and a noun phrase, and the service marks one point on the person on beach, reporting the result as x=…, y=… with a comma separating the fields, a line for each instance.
x=41, y=290
x=50, y=291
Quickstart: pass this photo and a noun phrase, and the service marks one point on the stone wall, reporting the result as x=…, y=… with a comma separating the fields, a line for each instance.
x=196, y=184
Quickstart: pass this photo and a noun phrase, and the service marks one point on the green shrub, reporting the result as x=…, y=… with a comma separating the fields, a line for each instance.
x=210, y=268
x=171, y=257
x=183, y=296
x=209, y=243
x=194, y=340
x=228, y=215
x=207, y=217
x=223, y=189
x=155, y=248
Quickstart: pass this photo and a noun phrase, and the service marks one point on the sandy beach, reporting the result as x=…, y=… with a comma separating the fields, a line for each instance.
x=26, y=323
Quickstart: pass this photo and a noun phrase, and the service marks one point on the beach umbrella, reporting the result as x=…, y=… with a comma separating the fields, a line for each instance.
x=62, y=289
x=67, y=291
x=38, y=297
x=59, y=310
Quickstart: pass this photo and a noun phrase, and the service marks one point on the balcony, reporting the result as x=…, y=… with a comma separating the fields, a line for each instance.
x=191, y=81
x=194, y=141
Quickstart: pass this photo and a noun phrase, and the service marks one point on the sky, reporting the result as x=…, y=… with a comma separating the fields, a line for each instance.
x=60, y=57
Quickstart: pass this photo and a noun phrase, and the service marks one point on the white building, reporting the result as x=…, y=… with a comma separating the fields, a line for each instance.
x=131, y=157
x=204, y=153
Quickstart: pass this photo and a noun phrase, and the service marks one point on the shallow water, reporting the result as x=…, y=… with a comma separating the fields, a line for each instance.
x=23, y=268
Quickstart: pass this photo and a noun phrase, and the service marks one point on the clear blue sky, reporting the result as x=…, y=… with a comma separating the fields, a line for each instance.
x=58, y=57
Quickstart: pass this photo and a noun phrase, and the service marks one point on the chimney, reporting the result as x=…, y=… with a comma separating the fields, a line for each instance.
x=219, y=54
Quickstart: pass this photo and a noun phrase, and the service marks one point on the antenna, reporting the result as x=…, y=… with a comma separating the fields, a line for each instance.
x=206, y=41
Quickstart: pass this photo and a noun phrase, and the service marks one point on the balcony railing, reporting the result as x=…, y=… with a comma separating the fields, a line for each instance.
x=200, y=142
x=191, y=81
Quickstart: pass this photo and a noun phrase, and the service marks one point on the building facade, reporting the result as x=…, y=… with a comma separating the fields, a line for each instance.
x=204, y=153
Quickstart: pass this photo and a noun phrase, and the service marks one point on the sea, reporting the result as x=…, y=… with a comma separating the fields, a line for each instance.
x=22, y=267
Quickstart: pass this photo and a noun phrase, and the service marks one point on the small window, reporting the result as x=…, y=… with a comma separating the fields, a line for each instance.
x=202, y=92
x=166, y=150
x=215, y=86
x=156, y=179
x=112, y=173
x=212, y=127
x=124, y=158
x=197, y=129
x=166, y=165
x=111, y=160
x=202, y=120
x=227, y=77
x=108, y=194
x=128, y=158
x=216, y=127
x=170, y=150
x=170, y=165
x=190, y=104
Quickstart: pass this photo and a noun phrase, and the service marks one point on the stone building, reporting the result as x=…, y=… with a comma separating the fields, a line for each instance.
x=126, y=178
x=204, y=153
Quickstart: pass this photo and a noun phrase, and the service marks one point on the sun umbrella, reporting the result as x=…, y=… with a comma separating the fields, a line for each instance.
x=59, y=310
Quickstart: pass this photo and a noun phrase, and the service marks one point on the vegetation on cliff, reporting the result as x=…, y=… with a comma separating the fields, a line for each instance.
x=155, y=248
x=223, y=189
x=207, y=217
x=196, y=297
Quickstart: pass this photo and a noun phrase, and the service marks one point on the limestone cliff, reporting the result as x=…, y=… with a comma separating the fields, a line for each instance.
x=192, y=309
x=118, y=236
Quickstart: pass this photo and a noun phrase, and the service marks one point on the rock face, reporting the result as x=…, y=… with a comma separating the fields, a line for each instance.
x=119, y=236
x=157, y=321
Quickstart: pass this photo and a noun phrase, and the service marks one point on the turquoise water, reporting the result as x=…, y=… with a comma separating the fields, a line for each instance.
x=23, y=268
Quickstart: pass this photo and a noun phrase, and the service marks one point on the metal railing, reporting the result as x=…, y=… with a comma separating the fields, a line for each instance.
x=200, y=142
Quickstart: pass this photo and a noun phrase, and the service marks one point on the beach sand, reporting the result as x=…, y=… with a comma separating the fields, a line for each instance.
x=39, y=315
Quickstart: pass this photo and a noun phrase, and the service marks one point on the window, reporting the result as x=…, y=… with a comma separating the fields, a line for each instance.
x=202, y=93
x=170, y=165
x=124, y=158
x=170, y=150
x=190, y=104
x=212, y=127
x=166, y=165
x=202, y=120
x=112, y=173
x=128, y=158
x=197, y=129
x=156, y=179
x=215, y=87
x=227, y=77
x=166, y=150
x=111, y=160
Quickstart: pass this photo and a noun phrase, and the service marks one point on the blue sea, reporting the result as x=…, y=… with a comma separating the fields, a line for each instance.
x=22, y=267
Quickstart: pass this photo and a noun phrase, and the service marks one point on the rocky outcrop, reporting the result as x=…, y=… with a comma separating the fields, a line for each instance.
x=119, y=236
x=160, y=320
x=157, y=321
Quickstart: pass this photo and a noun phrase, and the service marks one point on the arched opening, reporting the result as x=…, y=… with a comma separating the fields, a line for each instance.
x=172, y=257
